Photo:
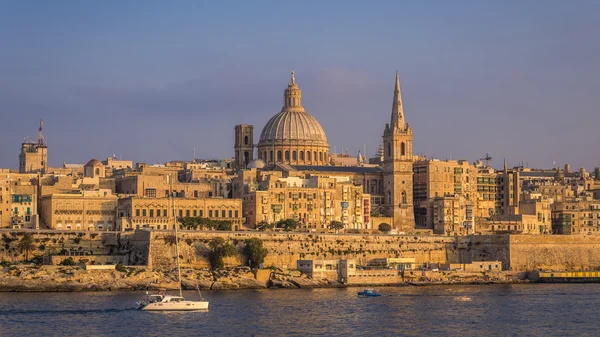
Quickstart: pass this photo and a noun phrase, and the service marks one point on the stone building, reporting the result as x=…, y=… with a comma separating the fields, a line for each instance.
x=82, y=210
x=576, y=216
x=19, y=201
x=294, y=144
x=315, y=202
x=398, y=166
x=435, y=180
x=34, y=155
x=157, y=213
x=157, y=183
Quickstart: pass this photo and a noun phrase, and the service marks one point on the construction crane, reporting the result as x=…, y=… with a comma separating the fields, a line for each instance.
x=486, y=158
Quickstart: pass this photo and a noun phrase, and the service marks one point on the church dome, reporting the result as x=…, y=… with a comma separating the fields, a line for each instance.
x=293, y=136
x=256, y=163
x=293, y=125
x=94, y=162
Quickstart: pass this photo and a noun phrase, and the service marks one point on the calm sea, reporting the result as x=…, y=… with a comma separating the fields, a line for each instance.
x=493, y=310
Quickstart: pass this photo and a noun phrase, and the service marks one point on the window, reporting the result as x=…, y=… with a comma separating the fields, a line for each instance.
x=236, y=213
x=315, y=155
x=320, y=156
x=308, y=157
x=195, y=213
x=245, y=140
x=389, y=149
x=187, y=212
x=210, y=213
x=278, y=155
x=301, y=155
x=137, y=212
x=151, y=192
x=223, y=214
x=294, y=155
x=196, y=194
x=230, y=213
x=180, y=213
x=164, y=212
x=287, y=155
x=271, y=156
x=152, y=213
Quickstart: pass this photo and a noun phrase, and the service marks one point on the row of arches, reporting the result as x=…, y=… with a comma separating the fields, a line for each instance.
x=294, y=156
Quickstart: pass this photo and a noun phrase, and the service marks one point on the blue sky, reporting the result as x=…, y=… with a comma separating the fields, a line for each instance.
x=152, y=80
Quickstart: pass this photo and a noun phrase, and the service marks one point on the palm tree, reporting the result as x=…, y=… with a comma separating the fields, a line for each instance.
x=26, y=244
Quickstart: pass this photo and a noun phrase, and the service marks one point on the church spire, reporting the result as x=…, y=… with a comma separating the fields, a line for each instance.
x=397, y=110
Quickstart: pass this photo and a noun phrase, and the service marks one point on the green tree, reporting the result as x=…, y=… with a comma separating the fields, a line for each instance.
x=255, y=251
x=68, y=262
x=263, y=226
x=384, y=227
x=288, y=224
x=220, y=249
x=336, y=225
x=26, y=244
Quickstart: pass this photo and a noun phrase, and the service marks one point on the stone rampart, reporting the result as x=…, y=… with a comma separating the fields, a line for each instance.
x=286, y=248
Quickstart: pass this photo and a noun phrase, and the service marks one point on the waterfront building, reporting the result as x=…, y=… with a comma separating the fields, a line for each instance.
x=576, y=216
x=135, y=212
x=314, y=201
x=19, y=201
x=79, y=210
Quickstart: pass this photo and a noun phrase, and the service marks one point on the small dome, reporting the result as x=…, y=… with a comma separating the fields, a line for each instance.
x=94, y=162
x=293, y=125
x=256, y=163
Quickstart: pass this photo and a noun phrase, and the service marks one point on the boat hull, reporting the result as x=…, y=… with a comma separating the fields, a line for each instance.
x=177, y=306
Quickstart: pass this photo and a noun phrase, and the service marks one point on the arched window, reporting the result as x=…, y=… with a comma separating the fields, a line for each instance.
x=389, y=149
x=308, y=155
x=404, y=197
x=246, y=157
x=301, y=155
x=270, y=156
x=97, y=171
x=320, y=156
x=315, y=155
x=287, y=155
x=294, y=155
x=403, y=149
x=245, y=140
x=278, y=155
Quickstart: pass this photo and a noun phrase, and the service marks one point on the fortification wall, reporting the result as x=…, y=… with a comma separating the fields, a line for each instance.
x=554, y=252
x=286, y=248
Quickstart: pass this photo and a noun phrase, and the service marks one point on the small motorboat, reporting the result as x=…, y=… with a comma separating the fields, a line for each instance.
x=368, y=293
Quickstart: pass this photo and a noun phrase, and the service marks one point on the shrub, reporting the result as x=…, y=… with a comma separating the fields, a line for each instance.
x=255, y=251
x=384, y=227
x=68, y=262
x=120, y=268
x=220, y=249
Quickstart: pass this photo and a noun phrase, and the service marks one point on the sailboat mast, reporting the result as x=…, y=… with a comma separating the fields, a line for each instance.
x=176, y=239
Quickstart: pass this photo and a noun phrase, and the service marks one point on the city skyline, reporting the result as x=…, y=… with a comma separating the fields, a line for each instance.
x=517, y=88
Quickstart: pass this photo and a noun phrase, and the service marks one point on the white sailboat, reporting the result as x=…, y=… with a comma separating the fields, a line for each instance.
x=164, y=302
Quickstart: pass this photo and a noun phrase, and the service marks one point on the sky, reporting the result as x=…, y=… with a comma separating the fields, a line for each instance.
x=150, y=81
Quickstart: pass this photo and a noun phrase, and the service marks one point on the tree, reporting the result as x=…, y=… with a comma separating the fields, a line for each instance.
x=288, y=224
x=26, y=244
x=263, y=226
x=255, y=251
x=336, y=225
x=384, y=227
x=220, y=249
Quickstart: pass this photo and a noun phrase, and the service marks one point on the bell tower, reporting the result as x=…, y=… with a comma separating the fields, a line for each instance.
x=244, y=145
x=397, y=167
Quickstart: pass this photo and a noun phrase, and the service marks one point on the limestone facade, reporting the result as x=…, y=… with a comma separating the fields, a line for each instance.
x=398, y=167
x=85, y=210
x=315, y=202
x=157, y=213
x=19, y=201
x=576, y=216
